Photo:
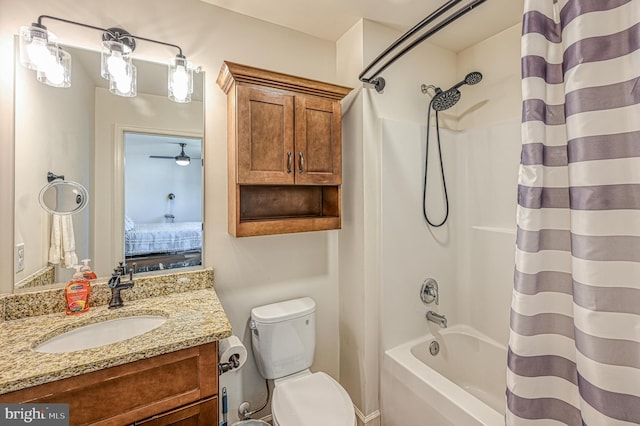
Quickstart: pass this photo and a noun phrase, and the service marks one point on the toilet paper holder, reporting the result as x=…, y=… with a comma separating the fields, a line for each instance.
x=234, y=362
x=232, y=354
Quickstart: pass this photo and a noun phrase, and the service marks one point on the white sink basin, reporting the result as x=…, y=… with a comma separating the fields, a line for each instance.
x=101, y=333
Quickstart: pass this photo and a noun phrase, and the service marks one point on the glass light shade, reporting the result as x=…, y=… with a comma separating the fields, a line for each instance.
x=183, y=161
x=116, y=59
x=180, y=80
x=33, y=46
x=125, y=84
x=56, y=71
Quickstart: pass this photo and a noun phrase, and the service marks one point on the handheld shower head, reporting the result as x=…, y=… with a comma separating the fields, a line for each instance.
x=473, y=78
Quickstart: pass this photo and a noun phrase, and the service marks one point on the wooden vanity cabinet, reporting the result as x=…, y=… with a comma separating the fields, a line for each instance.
x=284, y=151
x=178, y=388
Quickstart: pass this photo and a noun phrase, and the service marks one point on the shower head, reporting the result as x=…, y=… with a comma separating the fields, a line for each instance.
x=445, y=99
x=472, y=78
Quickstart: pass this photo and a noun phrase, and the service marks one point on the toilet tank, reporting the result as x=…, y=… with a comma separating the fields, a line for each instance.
x=283, y=337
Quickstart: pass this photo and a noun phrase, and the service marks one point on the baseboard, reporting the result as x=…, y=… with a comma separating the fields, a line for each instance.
x=372, y=419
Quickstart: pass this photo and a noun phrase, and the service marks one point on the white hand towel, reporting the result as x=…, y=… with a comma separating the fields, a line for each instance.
x=62, y=248
x=70, y=259
x=55, y=253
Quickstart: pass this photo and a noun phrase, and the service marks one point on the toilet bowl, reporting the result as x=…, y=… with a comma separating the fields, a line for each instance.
x=313, y=399
x=283, y=341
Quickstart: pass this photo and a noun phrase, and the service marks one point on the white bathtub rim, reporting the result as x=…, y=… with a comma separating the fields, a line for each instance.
x=459, y=397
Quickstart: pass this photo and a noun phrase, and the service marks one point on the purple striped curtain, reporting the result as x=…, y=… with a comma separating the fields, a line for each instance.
x=574, y=348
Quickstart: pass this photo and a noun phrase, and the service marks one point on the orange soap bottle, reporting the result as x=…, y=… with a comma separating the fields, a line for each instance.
x=77, y=293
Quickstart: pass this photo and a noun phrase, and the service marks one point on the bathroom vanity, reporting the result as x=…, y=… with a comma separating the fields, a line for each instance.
x=168, y=375
x=164, y=389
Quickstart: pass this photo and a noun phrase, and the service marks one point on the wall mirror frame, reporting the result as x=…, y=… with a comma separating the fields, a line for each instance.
x=49, y=145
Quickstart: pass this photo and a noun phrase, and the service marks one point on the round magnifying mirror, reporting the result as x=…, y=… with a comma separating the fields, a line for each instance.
x=63, y=197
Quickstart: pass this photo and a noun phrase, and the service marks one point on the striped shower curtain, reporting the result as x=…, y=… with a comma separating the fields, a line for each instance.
x=574, y=349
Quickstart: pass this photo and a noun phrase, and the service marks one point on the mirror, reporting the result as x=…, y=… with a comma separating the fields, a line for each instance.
x=63, y=197
x=79, y=132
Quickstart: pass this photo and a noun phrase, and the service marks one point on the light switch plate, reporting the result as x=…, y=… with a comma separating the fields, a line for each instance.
x=19, y=257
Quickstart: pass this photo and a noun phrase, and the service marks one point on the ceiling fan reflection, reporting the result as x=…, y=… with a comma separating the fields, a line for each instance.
x=181, y=159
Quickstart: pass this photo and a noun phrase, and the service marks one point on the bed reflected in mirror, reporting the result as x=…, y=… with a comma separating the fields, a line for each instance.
x=163, y=203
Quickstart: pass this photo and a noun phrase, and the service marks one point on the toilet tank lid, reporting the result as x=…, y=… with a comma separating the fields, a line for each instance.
x=282, y=311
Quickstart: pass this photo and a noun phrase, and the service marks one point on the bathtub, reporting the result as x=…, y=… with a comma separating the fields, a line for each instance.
x=464, y=385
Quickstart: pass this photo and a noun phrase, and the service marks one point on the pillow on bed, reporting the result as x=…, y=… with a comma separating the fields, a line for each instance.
x=128, y=224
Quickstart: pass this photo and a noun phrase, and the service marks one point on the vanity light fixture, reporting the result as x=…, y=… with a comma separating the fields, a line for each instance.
x=53, y=65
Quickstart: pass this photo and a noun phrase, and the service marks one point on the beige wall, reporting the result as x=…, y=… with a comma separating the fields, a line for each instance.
x=250, y=271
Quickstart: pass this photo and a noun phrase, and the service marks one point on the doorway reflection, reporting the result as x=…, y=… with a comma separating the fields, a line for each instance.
x=163, y=201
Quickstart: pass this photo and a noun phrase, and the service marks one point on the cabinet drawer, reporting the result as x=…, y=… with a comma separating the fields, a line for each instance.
x=202, y=413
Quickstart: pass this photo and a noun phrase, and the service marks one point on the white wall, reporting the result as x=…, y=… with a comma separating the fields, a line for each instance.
x=377, y=286
x=249, y=271
x=471, y=256
x=489, y=148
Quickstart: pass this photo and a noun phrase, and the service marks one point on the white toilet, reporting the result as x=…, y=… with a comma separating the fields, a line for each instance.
x=284, y=339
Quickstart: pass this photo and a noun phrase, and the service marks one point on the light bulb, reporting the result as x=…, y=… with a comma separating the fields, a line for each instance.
x=56, y=68
x=180, y=83
x=116, y=59
x=116, y=65
x=38, y=53
x=54, y=72
x=123, y=83
x=33, y=46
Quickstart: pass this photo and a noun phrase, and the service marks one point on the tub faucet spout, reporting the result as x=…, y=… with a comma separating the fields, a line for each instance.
x=437, y=318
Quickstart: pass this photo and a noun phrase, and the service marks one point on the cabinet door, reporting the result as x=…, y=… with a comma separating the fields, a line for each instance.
x=203, y=413
x=318, y=141
x=265, y=136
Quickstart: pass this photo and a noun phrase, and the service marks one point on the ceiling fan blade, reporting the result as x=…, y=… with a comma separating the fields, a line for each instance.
x=170, y=158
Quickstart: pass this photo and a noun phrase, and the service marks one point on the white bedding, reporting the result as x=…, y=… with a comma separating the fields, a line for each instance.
x=147, y=238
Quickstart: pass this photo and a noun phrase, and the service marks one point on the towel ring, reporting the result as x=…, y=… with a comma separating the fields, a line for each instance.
x=63, y=197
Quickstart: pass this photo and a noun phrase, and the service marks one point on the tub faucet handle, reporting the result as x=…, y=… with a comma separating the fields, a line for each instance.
x=429, y=291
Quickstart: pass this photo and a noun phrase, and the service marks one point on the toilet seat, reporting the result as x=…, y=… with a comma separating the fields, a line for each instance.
x=312, y=400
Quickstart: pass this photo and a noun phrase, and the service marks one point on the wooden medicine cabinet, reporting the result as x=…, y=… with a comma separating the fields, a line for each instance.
x=284, y=151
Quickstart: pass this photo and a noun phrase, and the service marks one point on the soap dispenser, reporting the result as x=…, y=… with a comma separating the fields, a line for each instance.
x=77, y=293
x=87, y=273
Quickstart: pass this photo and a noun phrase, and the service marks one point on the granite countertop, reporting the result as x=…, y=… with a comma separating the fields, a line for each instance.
x=194, y=317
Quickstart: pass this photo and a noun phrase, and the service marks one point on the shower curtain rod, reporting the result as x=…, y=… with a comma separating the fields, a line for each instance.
x=378, y=82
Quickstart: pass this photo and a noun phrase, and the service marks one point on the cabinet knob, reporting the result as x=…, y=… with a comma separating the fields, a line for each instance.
x=289, y=161
x=301, y=170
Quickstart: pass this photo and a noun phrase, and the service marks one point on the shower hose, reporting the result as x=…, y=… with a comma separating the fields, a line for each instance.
x=426, y=166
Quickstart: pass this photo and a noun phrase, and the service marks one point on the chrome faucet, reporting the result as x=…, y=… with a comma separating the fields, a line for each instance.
x=429, y=292
x=117, y=285
x=437, y=318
